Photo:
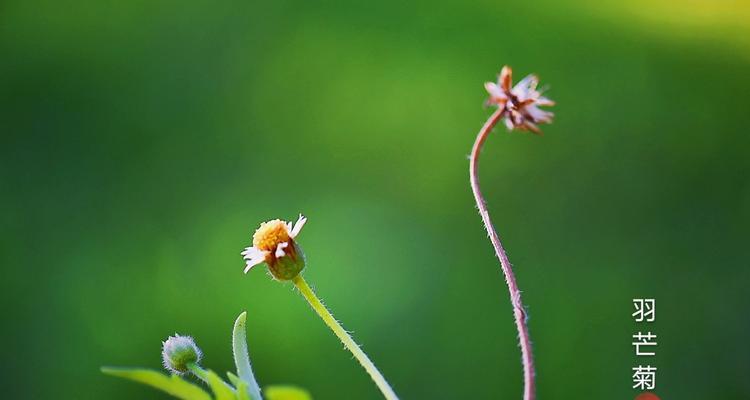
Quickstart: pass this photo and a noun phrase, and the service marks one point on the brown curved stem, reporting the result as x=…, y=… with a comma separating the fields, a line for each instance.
x=529, y=391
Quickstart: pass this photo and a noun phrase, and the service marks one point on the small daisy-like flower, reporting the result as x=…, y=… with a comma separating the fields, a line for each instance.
x=273, y=244
x=520, y=103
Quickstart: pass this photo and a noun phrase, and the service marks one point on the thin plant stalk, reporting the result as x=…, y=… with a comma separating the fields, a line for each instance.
x=345, y=338
x=204, y=375
x=199, y=372
x=529, y=391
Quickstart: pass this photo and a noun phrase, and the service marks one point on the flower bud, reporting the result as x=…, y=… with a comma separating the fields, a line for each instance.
x=178, y=352
x=289, y=265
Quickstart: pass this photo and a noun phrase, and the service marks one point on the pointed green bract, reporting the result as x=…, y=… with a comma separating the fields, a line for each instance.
x=174, y=385
x=221, y=390
x=234, y=379
x=242, y=390
x=280, y=392
x=242, y=357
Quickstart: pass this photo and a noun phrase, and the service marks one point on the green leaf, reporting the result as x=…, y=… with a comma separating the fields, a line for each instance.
x=242, y=358
x=173, y=385
x=283, y=392
x=221, y=389
x=234, y=379
x=242, y=390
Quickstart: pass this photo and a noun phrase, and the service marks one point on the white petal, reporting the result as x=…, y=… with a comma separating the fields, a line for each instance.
x=249, y=264
x=526, y=88
x=543, y=101
x=253, y=257
x=298, y=226
x=494, y=90
x=529, y=82
x=280, y=249
x=251, y=252
x=537, y=114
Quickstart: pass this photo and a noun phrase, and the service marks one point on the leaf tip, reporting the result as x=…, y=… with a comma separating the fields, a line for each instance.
x=241, y=319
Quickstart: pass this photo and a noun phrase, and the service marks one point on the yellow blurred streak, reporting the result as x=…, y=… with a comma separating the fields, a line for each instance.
x=726, y=22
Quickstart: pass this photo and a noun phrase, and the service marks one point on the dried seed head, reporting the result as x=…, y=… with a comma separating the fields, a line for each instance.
x=520, y=103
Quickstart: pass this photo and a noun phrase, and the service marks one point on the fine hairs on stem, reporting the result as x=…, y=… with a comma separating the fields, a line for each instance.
x=518, y=105
x=344, y=336
x=515, y=294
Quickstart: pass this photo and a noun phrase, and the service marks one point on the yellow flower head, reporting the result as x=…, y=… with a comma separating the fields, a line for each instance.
x=270, y=234
x=273, y=243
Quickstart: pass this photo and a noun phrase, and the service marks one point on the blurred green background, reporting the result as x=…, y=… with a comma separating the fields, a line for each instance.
x=143, y=142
